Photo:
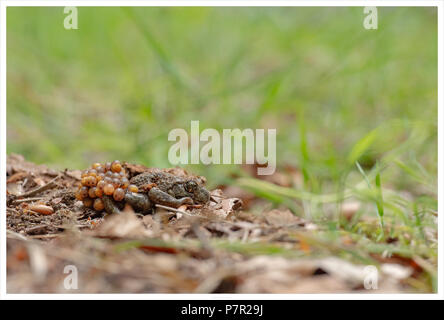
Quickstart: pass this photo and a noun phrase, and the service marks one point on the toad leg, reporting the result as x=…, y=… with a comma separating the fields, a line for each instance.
x=158, y=196
x=110, y=206
x=139, y=201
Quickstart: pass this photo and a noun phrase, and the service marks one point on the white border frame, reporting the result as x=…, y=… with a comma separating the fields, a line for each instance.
x=217, y=3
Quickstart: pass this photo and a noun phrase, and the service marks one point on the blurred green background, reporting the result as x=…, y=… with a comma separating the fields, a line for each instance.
x=355, y=109
x=114, y=88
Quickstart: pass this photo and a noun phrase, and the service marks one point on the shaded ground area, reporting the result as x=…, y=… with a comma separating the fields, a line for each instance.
x=217, y=248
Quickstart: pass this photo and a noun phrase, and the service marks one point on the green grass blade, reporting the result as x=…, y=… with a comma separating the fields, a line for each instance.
x=379, y=201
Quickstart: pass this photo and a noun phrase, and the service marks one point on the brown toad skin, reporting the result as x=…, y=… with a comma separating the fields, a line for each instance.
x=164, y=188
x=172, y=190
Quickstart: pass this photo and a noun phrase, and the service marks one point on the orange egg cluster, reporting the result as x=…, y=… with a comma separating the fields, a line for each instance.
x=107, y=179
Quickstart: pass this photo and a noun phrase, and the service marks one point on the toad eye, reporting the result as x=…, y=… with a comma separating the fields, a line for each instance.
x=190, y=186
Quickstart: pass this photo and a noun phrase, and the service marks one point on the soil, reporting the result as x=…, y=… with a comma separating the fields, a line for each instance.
x=214, y=249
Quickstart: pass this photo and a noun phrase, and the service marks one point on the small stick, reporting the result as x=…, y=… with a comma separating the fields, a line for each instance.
x=49, y=185
x=26, y=200
x=29, y=211
x=215, y=196
x=12, y=210
x=44, y=236
x=41, y=227
x=66, y=227
x=172, y=209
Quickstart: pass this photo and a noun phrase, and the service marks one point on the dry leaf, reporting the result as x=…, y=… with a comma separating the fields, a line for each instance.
x=124, y=225
x=15, y=188
x=17, y=177
x=222, y=207
x=281, y=218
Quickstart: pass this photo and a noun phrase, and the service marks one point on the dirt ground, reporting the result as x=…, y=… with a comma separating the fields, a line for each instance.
x=219, y=248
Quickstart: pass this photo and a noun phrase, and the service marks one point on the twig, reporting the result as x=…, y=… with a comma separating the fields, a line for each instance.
x=49, y=185
x=44, y=236
x=221, y=197
x=17, y=201
x=38, y=228
x=12, y=210
x=69, y=227
x=173, y=209
x=64, y=226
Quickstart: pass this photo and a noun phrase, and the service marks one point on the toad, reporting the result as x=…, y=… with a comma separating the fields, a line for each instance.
x=162, y=188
